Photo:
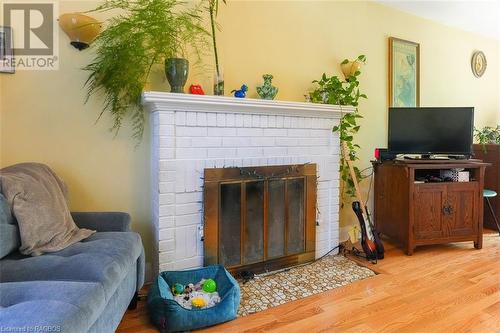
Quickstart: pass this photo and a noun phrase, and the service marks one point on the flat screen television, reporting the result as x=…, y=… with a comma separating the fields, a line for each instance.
x=431, y=130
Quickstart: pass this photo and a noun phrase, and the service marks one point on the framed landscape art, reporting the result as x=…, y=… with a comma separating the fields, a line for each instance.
x=404, y=73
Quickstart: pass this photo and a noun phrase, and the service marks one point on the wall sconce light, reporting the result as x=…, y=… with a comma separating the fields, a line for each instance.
x=81, y=29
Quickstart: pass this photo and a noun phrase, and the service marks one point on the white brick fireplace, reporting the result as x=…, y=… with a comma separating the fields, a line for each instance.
x=192, y=132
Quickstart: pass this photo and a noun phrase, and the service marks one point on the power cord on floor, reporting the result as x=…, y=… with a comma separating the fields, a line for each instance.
x=247, y=274
x=358, y=253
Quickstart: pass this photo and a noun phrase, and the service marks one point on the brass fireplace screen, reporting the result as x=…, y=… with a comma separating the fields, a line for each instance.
x=260, y=218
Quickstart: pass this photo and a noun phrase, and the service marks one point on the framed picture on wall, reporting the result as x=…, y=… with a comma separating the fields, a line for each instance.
x=6, y=50
x=404, y=73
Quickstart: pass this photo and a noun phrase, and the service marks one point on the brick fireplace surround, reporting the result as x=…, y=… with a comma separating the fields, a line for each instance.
x=192, y=132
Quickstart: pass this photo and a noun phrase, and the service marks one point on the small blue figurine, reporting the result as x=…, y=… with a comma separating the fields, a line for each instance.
x=242, y=92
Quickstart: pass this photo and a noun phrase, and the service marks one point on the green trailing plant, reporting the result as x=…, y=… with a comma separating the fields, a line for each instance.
x=145, y=33
x=213, y=10
x=333, y=90
x=487, y=135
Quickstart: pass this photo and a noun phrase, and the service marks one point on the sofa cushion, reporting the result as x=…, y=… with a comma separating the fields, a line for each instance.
x=104, y=257
x=9, y=232
x=61, y=306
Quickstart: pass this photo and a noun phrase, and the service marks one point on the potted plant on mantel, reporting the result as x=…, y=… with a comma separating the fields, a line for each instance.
x=146, y=33
x=333, y=90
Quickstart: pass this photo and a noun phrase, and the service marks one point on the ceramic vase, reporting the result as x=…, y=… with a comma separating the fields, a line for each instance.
x=267, y=90
x=176, y=70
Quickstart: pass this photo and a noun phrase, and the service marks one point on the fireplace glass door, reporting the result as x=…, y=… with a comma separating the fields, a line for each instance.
x=260, y=218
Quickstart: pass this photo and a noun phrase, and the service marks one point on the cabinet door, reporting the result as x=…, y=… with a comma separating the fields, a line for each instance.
x=460, y=215
x=427, y=211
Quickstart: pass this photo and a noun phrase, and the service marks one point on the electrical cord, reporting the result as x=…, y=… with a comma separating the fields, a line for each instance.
x=357, y=253
x=289, y=268
x=367, y=168
x=369, y=189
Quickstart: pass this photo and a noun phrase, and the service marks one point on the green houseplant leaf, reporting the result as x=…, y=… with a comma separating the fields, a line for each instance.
x=213, y=9
x=145, y=33
x=487, y=135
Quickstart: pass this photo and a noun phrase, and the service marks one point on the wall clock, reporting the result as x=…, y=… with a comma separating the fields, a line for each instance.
x=478, y=63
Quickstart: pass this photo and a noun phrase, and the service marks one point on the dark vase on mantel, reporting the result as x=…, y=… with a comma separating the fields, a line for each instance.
x=176, y=70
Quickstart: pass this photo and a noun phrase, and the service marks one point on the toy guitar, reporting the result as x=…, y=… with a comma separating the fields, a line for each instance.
x=370, y=240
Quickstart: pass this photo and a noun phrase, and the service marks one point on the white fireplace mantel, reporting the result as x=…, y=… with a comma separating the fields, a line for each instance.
x=220, y=104
x=190, y=133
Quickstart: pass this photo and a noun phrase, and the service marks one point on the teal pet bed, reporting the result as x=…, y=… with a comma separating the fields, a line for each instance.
x=170, y=316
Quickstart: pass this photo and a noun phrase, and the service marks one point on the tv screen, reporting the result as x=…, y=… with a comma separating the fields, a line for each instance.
x=431, y=130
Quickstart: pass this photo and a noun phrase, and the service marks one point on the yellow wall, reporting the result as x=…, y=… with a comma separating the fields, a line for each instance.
x=43, y=117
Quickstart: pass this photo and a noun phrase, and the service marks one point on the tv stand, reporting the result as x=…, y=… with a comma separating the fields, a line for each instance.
x=415, y=213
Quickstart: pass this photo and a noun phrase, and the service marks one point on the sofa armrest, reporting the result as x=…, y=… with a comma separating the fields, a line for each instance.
x=102, y=221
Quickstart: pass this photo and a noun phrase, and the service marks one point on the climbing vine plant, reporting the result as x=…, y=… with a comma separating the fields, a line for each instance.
x=332, y=90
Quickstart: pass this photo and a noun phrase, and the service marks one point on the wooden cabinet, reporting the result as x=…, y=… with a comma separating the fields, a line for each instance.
x=491, y=154
x=415, y=213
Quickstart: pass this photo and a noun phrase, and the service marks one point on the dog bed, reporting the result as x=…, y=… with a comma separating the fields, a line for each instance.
x=170, y=316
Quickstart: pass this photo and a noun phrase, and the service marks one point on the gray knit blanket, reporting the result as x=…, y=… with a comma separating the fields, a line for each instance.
x=39, y=202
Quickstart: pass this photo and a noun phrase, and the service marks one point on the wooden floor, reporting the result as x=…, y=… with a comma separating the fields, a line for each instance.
x=445, y=288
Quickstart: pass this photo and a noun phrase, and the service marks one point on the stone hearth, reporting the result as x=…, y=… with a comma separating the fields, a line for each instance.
x=192, y=132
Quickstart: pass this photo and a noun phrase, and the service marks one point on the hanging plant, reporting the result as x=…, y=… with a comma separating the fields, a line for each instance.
x=333, y=90
x=147, y=32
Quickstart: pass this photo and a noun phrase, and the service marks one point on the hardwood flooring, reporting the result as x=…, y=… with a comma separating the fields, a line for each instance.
x=441, y=288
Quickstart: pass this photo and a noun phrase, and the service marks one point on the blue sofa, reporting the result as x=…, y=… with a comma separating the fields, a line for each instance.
x=86, y=287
